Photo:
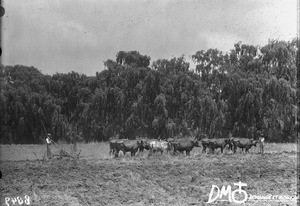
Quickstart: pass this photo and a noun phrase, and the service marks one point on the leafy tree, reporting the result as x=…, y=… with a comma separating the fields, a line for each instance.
x=248, y=90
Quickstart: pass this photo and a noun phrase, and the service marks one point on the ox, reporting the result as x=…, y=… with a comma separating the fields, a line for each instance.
x=146, y=144
x=205, y=144
x=243, y=143
x=131, y=146
x=159, y=146
x=219, y=143
x=186, y=145
x=115, y=146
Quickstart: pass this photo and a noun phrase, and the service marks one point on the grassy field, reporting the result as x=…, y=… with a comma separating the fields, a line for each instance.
x=98, y=179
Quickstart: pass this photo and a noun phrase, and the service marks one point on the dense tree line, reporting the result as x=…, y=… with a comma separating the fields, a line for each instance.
x=248, y=90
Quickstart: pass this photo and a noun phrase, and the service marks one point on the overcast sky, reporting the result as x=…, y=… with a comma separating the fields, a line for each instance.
x=72, y=35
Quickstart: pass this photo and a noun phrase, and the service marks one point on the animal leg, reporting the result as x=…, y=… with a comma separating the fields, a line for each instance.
x=212, y=149
x=234, y=149
x=204, y=149
x=117, y=153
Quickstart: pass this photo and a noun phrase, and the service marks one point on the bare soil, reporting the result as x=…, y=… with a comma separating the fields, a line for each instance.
x=154, y=180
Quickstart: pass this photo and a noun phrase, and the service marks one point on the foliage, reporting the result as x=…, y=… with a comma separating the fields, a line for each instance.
x=248, y=90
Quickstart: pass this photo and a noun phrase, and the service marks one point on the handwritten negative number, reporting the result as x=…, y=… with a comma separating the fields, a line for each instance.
x=18, y=200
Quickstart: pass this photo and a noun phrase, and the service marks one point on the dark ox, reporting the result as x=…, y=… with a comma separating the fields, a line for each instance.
x=160, y=146
x=115, y=146
x=205, y=144
x=131, y=146
x=215, y=144
x=243, y=143
x=219, y=143
x=186, y=145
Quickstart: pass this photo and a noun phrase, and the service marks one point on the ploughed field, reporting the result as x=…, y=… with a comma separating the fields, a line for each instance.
x=98, y=179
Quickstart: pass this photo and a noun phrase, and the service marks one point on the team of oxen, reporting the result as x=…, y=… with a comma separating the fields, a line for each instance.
x=174, y=146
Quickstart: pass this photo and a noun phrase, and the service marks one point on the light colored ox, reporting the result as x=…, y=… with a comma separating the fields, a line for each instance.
x=159, y=146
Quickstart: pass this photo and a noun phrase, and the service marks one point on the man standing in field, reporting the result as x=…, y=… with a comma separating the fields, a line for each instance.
x=48, y=141
x=261, y=142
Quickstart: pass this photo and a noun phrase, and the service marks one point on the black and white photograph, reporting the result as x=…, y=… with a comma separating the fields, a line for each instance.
x=149, y=102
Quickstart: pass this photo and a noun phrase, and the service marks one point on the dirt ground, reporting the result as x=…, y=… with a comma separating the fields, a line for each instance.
x=154, y=180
